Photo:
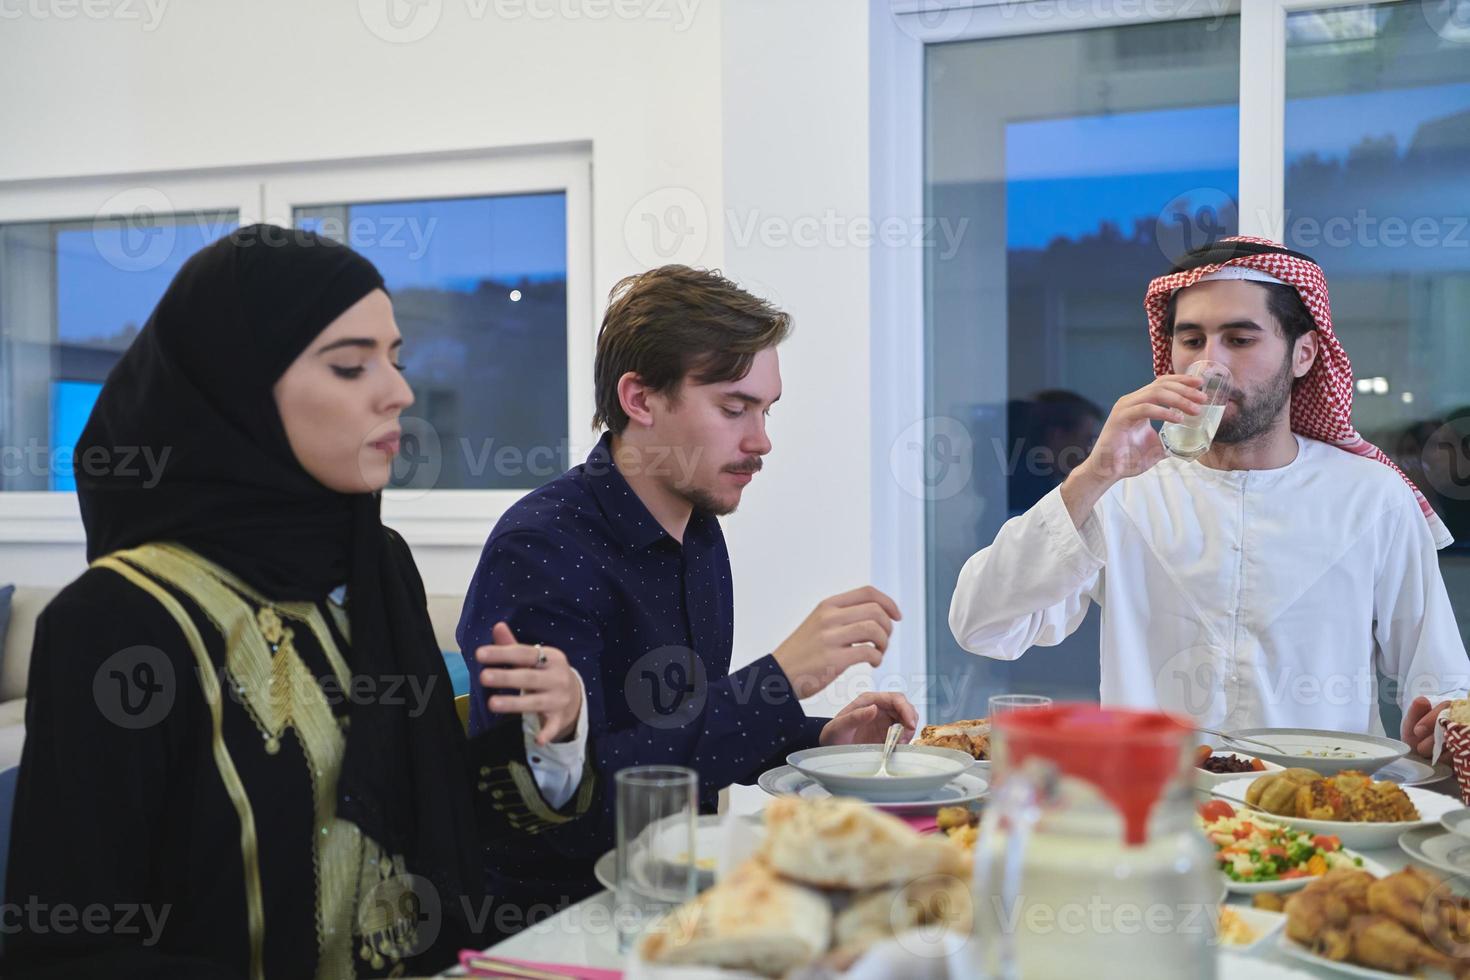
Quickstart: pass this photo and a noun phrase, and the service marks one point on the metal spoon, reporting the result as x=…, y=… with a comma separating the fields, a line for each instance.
x=894, y=731
x=1239, y=738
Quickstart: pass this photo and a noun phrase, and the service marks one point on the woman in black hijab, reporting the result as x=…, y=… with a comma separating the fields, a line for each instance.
x=235, y=767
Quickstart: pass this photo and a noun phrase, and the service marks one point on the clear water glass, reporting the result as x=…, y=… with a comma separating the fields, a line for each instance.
x=657, y=812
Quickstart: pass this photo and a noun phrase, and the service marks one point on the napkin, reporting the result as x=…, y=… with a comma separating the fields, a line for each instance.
x=468, y=958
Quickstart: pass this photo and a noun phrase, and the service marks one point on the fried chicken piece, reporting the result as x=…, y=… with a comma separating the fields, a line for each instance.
x=1418, y=900
x=1384, y=944
x=1327, y=906
x=1335, y=944
x=1402, y=897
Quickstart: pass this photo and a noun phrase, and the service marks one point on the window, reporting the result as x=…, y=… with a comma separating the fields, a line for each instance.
x=73, y=295
x=488, y=260
x=1104, y=155
x=1378, y=191
x=479, y=290
x=1086, y=150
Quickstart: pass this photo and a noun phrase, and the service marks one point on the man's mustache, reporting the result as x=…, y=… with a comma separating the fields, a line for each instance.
x=750, y=466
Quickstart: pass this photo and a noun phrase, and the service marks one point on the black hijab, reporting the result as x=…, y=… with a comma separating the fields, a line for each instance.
x=197, y=383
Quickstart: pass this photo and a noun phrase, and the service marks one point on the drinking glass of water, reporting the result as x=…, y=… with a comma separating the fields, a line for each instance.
x=1191, y=438
x=1003, y=703
x=657, y=868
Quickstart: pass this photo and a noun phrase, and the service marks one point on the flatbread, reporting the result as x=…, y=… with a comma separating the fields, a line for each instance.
x=840, y=843
x=751, y=921
x=972, y=736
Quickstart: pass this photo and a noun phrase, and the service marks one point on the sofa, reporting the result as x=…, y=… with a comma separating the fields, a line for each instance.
x=27, y=604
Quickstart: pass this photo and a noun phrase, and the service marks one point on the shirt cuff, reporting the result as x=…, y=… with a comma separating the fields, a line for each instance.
x=1083, y=546
x=557, y=766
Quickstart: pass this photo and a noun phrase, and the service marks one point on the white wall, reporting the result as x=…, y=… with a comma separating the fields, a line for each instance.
x=796, y=175
x=700, y=115
x=225, y=85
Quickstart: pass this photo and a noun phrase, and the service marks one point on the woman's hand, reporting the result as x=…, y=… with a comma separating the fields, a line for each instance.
x=552, y=691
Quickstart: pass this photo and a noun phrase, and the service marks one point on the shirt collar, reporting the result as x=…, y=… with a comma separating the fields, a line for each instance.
x=630, y=520
x=1255, y=478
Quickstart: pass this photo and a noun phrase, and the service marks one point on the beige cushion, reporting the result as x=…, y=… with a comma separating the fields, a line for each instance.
x=12, y=740
x=444, y=613
x=24, y=608
x=13, y=712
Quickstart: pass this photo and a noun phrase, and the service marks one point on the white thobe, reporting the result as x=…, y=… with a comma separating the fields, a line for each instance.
x=1239, y=598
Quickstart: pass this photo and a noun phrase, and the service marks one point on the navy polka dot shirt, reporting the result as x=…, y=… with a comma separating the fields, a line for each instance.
x=581, y=565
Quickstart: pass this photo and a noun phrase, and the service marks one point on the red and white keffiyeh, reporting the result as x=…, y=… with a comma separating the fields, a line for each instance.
x=1322, y=399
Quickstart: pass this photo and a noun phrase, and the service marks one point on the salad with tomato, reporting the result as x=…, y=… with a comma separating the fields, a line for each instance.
x=1250, y=848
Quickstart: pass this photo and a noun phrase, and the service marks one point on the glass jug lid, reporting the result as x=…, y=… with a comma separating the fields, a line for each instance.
x=1129, y=756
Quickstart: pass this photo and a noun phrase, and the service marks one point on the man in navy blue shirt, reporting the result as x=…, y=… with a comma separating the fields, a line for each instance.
x=621, y=564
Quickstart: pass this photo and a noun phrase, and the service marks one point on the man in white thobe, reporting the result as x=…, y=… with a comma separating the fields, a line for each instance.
x=1266, y=583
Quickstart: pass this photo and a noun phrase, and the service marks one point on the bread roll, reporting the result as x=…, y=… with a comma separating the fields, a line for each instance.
x=751, y=921
x=837, y=843
x=942, y=901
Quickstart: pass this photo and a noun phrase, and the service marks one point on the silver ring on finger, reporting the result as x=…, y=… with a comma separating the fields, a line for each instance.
x=541, y=657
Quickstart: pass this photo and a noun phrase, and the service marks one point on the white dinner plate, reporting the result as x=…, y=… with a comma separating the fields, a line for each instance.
x=1413, y=772
x=1457, y=822
x=1292, y=884
x=1238, y=966
x=1362, y=836
x=1439, y=849
x=706, y=847
x=965, y=788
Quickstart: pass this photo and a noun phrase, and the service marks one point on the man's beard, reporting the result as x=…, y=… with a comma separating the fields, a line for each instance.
x=702, y=499
x=1256, y=413
x=708, y=502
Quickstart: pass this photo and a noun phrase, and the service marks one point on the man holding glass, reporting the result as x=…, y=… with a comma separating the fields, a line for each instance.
x=1264, y=576
x=622, y=564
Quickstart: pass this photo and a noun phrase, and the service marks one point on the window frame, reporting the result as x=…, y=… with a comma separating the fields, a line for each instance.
x=424, y=517
x=52, y=516
x=899, y=37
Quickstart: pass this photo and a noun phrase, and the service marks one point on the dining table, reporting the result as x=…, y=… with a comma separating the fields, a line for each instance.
x=584, y=935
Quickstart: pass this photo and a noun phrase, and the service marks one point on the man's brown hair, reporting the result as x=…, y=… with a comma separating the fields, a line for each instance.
x=675, y=322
